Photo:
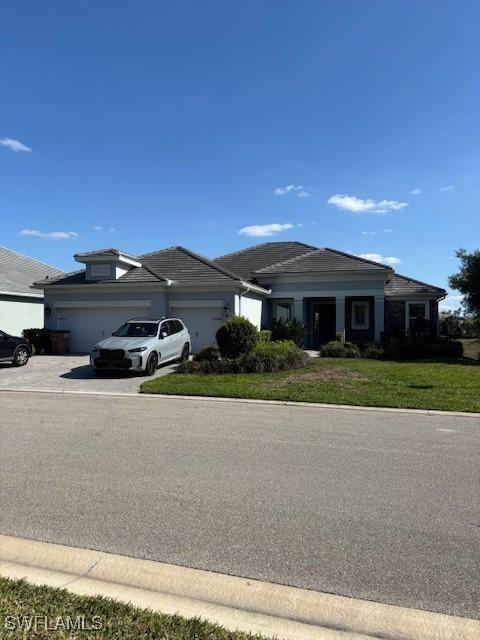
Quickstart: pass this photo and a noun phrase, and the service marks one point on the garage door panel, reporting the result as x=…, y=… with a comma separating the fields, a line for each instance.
x=201, y=322
x=89, y=325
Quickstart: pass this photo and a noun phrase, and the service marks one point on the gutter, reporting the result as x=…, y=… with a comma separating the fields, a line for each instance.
x=21, y=295
x=247, y=287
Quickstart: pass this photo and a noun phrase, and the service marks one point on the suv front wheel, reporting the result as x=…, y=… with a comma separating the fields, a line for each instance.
x=152, y=364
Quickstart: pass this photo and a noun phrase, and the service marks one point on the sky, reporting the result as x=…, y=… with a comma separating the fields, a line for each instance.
x=218, y=125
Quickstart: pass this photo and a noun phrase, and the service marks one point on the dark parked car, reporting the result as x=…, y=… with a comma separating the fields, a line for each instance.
x=14, y=350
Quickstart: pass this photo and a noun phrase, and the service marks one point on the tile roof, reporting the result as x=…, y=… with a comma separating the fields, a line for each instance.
x=19, y=272
x=321, y=260
x=102, y=252
x=402, y=285
x=175, y=263
x=246, y=261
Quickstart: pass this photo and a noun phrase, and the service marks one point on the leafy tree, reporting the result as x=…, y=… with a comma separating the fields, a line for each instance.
x=467, y=280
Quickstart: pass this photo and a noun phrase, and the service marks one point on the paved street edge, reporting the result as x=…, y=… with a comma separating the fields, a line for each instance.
x=289, y=403
x=235, y=603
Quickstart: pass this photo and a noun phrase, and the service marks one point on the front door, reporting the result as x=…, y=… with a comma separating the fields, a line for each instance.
x=323, y=318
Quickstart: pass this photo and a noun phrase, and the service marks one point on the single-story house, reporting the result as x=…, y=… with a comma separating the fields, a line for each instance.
x=21, y=306
x=327, y=290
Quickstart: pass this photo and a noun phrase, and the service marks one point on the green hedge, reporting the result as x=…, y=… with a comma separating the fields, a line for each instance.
x=236, y=336
x=264, y=357
x=336, y=349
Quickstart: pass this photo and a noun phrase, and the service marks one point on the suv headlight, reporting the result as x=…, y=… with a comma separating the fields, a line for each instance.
x=137, y=350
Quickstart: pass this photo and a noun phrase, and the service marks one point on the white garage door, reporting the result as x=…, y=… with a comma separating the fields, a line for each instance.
x=202, y=323
x=89, y=325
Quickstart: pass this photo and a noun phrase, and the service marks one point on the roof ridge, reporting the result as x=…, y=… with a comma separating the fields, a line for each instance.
x=354, y=257
x=264, y=244
x=150, y=270
x=399, y=275
x=209, y=263
x=24, y=255
x=289, y=260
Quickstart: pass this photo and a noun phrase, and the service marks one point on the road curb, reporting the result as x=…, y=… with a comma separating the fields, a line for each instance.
x=236, y=603
x=288, y=403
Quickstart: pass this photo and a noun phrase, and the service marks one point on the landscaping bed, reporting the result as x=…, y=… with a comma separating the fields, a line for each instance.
x=450, y=385
x=106, y=619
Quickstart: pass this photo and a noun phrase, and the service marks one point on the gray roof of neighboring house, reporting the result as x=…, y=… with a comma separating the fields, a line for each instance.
x=246, y=261
x=321, y=260
x=402, y=285
x=175, y=263
x=19, y=272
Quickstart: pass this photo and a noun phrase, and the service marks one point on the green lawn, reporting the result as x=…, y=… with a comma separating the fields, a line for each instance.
x=450, y=386
x=118, y=621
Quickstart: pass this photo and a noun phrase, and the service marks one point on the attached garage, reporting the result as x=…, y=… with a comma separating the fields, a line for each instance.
x=90, y=323
x=202, y=318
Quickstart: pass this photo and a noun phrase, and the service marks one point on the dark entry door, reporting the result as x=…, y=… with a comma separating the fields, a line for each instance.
x=323, y=329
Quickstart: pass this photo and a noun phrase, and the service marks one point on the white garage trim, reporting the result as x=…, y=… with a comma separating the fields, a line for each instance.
x=73, y=304
x=182, y=304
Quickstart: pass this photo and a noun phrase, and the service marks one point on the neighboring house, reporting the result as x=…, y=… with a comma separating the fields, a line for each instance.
x=327, y=290
x=21, y=306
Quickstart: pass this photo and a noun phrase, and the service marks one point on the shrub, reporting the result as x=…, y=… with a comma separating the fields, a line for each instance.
x=336, y=349
x=264, y=335
x=208, y=354
x=287, y=330
x=39, y=338
x=264, y=357
x=409, y=348
x=236, y=336
x=372, y=351
x=272, y=356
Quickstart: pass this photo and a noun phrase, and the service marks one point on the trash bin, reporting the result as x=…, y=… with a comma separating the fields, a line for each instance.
x=59, y=342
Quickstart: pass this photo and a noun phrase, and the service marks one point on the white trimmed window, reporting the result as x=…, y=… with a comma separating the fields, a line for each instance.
x=360, y=315
x=282, y=311
x=415, y=310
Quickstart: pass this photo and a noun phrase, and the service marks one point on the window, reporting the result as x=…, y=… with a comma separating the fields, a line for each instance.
x=136, y=330
x=360, y=315
x=100, y=270
x=282, y=311
x=414, y=311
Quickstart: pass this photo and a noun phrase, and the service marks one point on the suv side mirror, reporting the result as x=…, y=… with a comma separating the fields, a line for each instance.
x=163, y=334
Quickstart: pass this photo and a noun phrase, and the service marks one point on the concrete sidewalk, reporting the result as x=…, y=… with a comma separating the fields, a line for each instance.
x=235, y=603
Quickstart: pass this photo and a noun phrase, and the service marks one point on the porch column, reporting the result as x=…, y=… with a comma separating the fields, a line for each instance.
x=379, y=317
x=340, y=315
x=298, y=309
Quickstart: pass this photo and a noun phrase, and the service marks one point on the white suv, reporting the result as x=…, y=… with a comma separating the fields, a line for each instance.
x=142, y=344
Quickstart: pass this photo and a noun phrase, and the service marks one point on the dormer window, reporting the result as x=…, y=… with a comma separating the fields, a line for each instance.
x=100, y=270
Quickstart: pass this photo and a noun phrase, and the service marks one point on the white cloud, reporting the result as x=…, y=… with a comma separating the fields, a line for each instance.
x=377, y=257
x=258, y=230
x=370, y=233
x=297, y=189
x=416, y=192
x=55, y=235
x=387, y=230
x=112, y=229
x=359, y=205
x=98, y=227
x=14, y=145
x=451, y=302
x=450, y=187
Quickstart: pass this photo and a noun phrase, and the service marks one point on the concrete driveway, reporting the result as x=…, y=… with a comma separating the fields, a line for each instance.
x=70, y=373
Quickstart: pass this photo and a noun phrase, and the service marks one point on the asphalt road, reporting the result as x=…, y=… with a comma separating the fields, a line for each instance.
x=382, y=506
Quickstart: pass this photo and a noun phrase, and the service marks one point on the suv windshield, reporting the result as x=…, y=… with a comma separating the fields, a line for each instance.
x=136, y=330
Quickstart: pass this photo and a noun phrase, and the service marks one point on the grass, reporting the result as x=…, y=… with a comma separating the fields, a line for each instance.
x=445, y=385
x=118, y=621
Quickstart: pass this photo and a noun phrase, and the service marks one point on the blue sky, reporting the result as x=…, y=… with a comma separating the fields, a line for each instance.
x=340, y=123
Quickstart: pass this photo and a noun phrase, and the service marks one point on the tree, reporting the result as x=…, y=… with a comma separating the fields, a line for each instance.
x=467, y=280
